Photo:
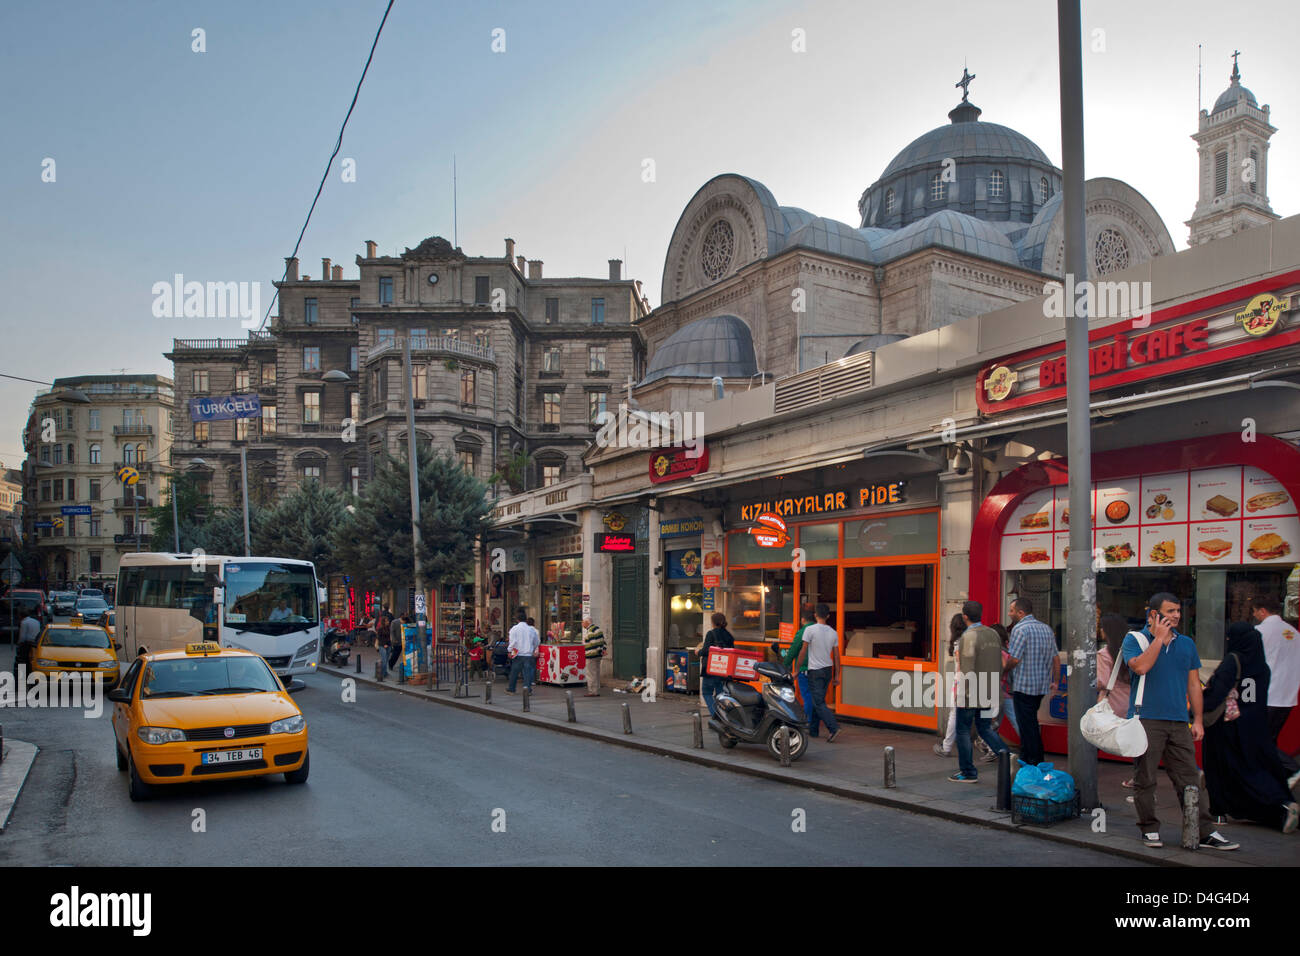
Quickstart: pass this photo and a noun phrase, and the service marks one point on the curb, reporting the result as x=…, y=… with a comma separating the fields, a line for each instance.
x=18, y=759
x=690, y=755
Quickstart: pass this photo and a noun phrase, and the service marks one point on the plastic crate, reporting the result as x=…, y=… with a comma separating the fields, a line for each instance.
x=1040, y=812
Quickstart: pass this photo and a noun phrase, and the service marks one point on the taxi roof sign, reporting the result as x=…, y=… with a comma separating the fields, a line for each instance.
x=76, y=620
x=204, y=647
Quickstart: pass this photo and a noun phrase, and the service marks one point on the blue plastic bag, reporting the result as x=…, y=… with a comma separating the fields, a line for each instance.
x=1028, y=782
x=1058, y=783
x=1043, y=782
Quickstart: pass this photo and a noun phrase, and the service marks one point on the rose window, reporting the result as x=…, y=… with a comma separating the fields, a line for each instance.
x=1110, y=253
x=719, y=246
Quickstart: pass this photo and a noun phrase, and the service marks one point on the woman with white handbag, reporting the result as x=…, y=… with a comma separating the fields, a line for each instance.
x=1113, y=628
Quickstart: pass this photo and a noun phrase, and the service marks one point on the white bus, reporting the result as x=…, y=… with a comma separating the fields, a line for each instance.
x=270, y=606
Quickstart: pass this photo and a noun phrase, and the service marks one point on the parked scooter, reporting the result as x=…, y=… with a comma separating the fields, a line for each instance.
x=745, y=715
x=337, y=647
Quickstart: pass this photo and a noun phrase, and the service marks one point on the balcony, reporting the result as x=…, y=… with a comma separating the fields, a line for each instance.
x=144, y=467
x=434, y=345
x=127, y=504
x=218, y=345
x=127, y=541
x=139, y=428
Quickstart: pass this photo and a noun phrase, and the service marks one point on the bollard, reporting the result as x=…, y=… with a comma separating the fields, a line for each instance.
x=379, y=670
x=433, y=673
x=527, y=694
x=1003, y=804
x=784, y=733
x=1191, y=818
x=891, y=778
x=697, y=730
x=627, y=720
x=358, y=663
x=568, y=702
x=487, y=692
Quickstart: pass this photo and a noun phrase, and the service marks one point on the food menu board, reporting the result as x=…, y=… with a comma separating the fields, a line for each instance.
x=1213, y=516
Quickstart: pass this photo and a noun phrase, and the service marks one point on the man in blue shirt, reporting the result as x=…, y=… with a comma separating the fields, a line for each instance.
x=1032, y=653
x=1170, y=668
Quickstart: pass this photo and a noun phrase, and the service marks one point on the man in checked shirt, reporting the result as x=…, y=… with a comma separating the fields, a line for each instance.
x=1032, y=654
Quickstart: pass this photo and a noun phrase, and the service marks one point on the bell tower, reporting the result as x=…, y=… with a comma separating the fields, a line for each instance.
x=1232, y=143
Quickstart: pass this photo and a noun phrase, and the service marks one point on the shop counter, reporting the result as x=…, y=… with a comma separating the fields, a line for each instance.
x=561, y=664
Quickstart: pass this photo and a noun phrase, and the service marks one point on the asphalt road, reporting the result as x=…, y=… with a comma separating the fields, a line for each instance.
x=401, y=781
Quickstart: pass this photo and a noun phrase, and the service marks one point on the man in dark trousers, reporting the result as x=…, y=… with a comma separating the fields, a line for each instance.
x=821, y=649
x=979, y=658
x=594, y=645
x=1031, y=657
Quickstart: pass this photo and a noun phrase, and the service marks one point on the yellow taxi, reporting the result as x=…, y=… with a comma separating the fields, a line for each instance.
x=76, y=648
x=107, y=620
x=205, y=713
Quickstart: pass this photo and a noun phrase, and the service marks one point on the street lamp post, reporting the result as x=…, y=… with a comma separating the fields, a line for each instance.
x=415, y=501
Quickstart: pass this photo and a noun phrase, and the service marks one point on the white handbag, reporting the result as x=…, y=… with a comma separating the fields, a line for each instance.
x=1106, y=730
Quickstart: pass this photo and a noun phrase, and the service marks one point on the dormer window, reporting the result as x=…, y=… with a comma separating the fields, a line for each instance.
x=996, y=184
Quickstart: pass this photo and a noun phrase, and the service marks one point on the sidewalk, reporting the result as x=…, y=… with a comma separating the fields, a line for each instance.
x=853, y=767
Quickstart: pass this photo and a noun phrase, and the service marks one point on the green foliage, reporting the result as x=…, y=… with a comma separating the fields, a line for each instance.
x=300, y=524
x=511, y=470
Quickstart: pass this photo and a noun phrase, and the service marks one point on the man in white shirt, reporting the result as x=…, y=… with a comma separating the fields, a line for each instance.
x=821, y=645
x=523, y=652
x=1282, y=651
x=29, y=631
x=280, y=612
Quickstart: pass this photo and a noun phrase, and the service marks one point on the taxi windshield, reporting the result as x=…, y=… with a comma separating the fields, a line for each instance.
x=75, y=637
x=196, y=676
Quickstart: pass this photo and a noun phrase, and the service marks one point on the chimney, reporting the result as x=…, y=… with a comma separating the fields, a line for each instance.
x=291, y=268
x=338, y=273
x=615, y=270
x=306, y=278
x=522, y=263
x=534, y=268
x=324, y=268
x=370, y=248
x=510, y=249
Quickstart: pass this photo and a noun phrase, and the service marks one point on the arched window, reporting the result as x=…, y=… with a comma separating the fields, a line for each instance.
x=996, y=181
x=936, y=188
x=889, y=202
x=1044, y=191
x=95, y=452
x=128, y=454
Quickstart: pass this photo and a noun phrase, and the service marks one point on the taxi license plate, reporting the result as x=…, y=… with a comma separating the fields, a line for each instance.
x=232, y=756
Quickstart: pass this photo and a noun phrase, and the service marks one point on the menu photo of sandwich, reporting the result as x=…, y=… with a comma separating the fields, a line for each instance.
x=1039, y=519
x=1269, y=547
x=1035, y=555
x=1222, y=505
x=1215, y=548
x=1267, y=500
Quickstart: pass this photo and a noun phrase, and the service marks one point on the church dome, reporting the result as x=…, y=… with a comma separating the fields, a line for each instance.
x=1234, y=93
x=965, y=138
x=719, y=345
x=951, y=230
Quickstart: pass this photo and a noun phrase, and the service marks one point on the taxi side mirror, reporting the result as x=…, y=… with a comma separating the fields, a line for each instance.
x=117, y=645
x=120, y=695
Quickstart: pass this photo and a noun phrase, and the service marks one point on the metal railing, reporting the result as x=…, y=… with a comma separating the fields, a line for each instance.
x=137, y=429
x=435, y=343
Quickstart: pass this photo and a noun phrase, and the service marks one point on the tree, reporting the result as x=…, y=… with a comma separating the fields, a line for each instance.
x=300, y=526
x=374, y=544
x=194, y=508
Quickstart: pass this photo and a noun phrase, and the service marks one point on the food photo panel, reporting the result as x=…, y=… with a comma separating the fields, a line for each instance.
x=1163, y=546
x=1215, y=494
x=1214, y=542
x=1270, y=540
x=1264, y=495
x=1118, y=546
x=1164, y=498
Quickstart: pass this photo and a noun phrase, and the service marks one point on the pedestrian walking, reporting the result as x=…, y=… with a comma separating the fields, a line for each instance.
x=1171, y=665
x=790, y=657
x=821, y=651
x=29, y=632
x=523, y=653
x=1113, y=628
x=719, y=636
x=594, y=645
x=1032, y=663
x=396, y=637
x=1282, y=652
x=979, y=658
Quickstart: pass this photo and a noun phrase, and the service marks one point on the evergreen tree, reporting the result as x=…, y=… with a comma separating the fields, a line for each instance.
x=300, y=526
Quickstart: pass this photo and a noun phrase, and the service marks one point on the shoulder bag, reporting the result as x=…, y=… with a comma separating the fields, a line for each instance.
x=1106, y=730
x=1228, y=710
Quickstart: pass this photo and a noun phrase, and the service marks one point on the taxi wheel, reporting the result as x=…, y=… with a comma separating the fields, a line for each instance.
x=138, y=789
x=299, y=775
x=121, y=761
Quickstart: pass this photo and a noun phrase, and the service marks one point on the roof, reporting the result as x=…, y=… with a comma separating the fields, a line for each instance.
x=952, y=230
x=719, y=345
x=965, y=139
x=833, y=236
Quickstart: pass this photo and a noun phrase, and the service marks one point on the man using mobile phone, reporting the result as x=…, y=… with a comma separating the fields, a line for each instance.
x=1171, y=668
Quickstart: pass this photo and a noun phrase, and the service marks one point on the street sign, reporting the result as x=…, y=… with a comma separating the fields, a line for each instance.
x=419, y=604
x=45, y=524
x=11, y=577
x=75, y=509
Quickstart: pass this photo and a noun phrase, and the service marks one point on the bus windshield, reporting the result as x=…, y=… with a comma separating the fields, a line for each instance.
x=270, y=597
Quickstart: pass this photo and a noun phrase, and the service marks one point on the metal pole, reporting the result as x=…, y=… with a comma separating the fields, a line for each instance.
x=243, y=486
x=627, y=720
x=1081, y=582
x=1004, y=782
x=568, y=701
x=784, y=745
x=176, y=524
x=697, y=731
x=135, y=501
x=415, y=498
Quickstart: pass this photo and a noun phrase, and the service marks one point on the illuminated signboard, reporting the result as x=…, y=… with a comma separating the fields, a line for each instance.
x=771, y=532
x=672, y=464
x=607, y=543
x=863, y=496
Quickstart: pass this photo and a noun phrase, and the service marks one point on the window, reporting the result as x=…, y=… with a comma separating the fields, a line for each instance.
x=58, y=454
x=483, y=338
x=268, y=419
x=1254, y=169
x=45, y=490
x=481, y=291
x=596, y=358
x=311, y=311
x=58, y=489
x=419, y=338
x=242, y=380
x=354, y=358
x=1044, y=190
x=128, y=451
x=200, y=431
x=550, y=408
x=311, y=472
x=71, y=520
x=466, y=460
x=597, y=311
x=45, y=454
x=385, y=290
x=310, y=408
x=467, y=390
x=419, y=382
x=551, y=359
x=597, y=402
x=996, y=181
x=94, y=489
x=385, y=336
x=354, y=406
x=453, y=334
x=311, y=358
x=96, y=557
x=889, y=202
x=937, y=190
x=241, y=429
x=72, y=456
x=268, y=374
x=128, y=526
x=552, y=311
x=1220, y=172
x=94, y=420
x=550, y=475
x=200, y=381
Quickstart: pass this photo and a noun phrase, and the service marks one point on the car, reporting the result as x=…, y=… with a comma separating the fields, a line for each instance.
x=92, y=592
x=63, y=602
x=205, y=713
x=76, y=648
x=107, y=620
x=90, y=607
x=37, y=597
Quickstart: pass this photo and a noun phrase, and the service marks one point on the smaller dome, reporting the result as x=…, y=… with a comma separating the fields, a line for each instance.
x=1032, y=242
x=719, y=345
x=838, y=238
x=1232, y=95
x=952, y=230
x=873, y=342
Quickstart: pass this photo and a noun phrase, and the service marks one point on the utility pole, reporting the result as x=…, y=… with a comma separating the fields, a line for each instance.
x=1081, y=581
x=176, y=523
x=415, y=501
x=243, y=486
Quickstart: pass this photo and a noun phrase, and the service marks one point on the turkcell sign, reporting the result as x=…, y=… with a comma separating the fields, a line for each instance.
x=75, y=509
x=221, y=409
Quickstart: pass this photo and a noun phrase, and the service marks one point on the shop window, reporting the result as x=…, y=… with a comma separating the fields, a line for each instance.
x=743, y=548
x=892, y=535
x=887, y=612
x=820, y=542
x=761, y=601
x=562, y=599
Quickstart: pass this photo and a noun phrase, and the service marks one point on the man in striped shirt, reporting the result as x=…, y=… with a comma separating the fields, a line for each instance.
x=1032, y=654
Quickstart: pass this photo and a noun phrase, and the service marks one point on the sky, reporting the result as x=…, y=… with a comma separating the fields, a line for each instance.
x=171, y=160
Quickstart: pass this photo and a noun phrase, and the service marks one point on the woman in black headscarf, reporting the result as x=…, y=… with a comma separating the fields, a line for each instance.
x=1242, y=771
